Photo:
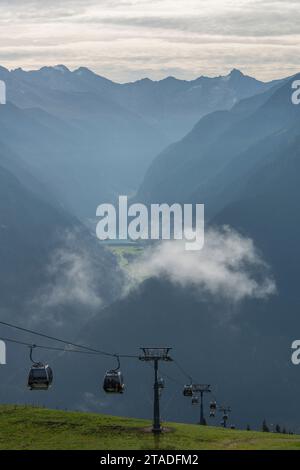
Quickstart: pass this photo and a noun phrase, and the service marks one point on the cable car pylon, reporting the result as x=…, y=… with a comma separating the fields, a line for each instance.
x=155, y=355
x=201, y=389
x=225, y=410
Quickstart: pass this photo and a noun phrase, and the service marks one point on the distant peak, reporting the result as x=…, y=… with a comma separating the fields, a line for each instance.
x=58, y=68
x=61, y=68
x=85, y=72
x=82, y=70
x=236, y=73
x=143, y=81
x=169, y=78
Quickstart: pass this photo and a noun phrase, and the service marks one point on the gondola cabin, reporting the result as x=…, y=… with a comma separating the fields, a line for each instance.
x=212, y=409
x=113, y=382
x=195, y=400
x=161, y=383
x=40, y=377
x=188, y=391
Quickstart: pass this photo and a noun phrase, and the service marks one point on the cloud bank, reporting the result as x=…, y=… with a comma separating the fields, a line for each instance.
x=164, y=37
x=229, y=267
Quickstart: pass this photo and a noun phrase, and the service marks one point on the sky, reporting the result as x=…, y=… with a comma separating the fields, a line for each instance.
x=126, y=40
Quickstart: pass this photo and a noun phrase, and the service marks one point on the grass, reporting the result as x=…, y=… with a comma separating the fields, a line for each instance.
x=126, y=254
x=24, y=427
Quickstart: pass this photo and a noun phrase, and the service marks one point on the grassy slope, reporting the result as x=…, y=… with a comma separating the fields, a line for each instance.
x=35, y=428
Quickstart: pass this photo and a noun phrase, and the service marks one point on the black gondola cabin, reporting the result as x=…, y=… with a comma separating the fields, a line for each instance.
x=40, y=377
x=113, y=382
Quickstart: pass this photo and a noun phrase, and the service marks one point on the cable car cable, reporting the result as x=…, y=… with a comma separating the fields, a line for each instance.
x=53, y=338
x=183, y=371
x=49, y=348
x=169, y=377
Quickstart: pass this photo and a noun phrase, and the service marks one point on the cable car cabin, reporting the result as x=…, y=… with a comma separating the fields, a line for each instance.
x=195, y=400
x=212, y=409
x=40, y=377
x=113, y=382
x=161, y=383
x=188, y=391
x=213, y=405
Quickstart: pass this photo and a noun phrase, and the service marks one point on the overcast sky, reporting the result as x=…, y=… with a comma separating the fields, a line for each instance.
x=129, y=39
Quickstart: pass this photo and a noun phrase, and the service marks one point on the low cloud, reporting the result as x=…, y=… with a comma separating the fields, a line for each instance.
x=70, y=291
x=74, y=280
x=229, y=267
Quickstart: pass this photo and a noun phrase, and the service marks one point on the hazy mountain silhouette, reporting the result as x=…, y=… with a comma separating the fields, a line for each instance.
x=174, y=105
x=221, y=149
x=76, y=128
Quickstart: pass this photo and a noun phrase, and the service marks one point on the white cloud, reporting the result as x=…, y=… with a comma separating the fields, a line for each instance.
x=71, y=280
x=229, y=267
x=74, y=280
x=112, y=37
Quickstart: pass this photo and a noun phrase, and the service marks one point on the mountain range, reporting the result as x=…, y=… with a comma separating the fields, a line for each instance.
x=75, y=130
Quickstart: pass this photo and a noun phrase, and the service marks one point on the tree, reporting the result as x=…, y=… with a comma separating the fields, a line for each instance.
x=283, y=430
x=248, y=427
x=265, y=427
